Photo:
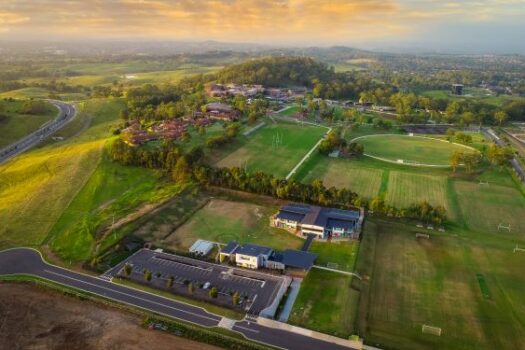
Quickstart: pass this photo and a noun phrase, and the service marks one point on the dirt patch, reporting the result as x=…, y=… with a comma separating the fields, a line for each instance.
x=36, y=318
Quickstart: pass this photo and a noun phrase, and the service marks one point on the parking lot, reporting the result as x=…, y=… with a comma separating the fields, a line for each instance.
x=257, y=289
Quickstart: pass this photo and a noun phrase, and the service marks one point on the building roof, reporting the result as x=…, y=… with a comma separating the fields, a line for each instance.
x=318, y=216
x=254, y=250
x=230, y=248
x=297, y=259
x=217, y=106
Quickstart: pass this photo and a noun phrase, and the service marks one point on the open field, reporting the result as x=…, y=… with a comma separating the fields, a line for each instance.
x=15, y=125
x=326, y=303
x=343, y=173
x=259, y=152
x=222, y=221
x=290, y=110
x=38, y=318
x=37, y=186
x=112, y=190
x=484, y=207
x=410, y=149
x=405, y=188
x=436, y=282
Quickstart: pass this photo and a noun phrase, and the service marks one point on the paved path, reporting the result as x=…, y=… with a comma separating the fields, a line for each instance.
x=29, y=261
x=65, y=114
x=290, y=300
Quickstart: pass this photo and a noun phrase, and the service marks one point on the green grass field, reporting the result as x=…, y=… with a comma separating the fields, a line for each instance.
x=222, y=221
x=410, y=149
x=326, y=303
x=484, y=207
x=289, y=111
x=112, y=190
x=411, y=282
x=344, y=254
x=343, y=173
x=14, y=125
x=405, y=188
x=481, y=95
x=258, y=151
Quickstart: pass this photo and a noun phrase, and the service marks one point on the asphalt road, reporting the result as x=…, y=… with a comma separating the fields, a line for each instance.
x=514, y=162
x=65, y=114
x=29, y=261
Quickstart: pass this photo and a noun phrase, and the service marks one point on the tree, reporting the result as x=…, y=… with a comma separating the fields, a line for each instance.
x=214, y=292
x=182, y=171
x=500, y=117
x=147, y=275
x=127, y=269
x=170, y=281
x=455, y=160
x=236, y=298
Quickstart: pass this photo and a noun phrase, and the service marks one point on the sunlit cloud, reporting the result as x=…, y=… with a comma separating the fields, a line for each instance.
x=269, y=21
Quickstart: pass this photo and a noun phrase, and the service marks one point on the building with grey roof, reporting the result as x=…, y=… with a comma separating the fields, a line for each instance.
x=322, y=222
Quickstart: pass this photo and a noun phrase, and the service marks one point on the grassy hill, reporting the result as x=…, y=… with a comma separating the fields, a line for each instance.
x=15, y=124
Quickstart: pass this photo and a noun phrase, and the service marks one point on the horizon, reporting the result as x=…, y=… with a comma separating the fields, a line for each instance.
x=487, y=26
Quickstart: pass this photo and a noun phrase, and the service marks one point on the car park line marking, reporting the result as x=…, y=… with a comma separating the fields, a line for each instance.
x=130, y=295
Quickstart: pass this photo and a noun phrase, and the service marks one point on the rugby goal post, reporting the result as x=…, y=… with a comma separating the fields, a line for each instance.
x=504, y=227
x=518, y=249
x=426, y=329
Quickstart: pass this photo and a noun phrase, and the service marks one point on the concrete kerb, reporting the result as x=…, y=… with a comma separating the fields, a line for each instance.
x=411, y=164
x=353, y=344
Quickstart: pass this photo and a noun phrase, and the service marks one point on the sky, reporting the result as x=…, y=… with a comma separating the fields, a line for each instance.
x=483, y=25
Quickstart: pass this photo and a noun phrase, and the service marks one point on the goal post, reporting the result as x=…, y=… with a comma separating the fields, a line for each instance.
x=426, y=329
x=504, y=227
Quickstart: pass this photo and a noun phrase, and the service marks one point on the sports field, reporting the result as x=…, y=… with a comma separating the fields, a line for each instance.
x=409, y=149
x=222, y=221
x=274, y=149
x=405, y=188
x=485, y=207
x=437, y=282
x=336, y=255
x=326, y=303
x=344, y=173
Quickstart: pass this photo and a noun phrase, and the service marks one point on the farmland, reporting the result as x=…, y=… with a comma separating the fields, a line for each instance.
x=408, y=276
x=274, y=149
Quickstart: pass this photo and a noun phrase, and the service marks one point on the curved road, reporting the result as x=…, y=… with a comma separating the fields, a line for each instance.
x=65, y=114
x=29, y=262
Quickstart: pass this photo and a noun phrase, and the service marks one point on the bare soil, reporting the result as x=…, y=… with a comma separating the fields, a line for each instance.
x=33, y=317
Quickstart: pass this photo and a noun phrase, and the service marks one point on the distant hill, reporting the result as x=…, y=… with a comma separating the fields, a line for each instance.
x=277, y=71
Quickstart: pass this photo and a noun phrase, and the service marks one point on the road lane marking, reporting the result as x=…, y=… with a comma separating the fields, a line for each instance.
x=246, y=329
x=130, y=295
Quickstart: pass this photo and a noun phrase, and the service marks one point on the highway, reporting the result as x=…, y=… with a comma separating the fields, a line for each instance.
x=65, y=114
x=29, y=262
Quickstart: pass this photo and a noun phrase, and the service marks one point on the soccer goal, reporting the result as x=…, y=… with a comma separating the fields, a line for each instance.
x=504, y=227
x=422, y=235
x=483, y=183
x=518, y=249
x=426, y=329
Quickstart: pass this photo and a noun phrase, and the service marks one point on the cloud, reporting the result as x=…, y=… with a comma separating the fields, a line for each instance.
x=273, y=21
